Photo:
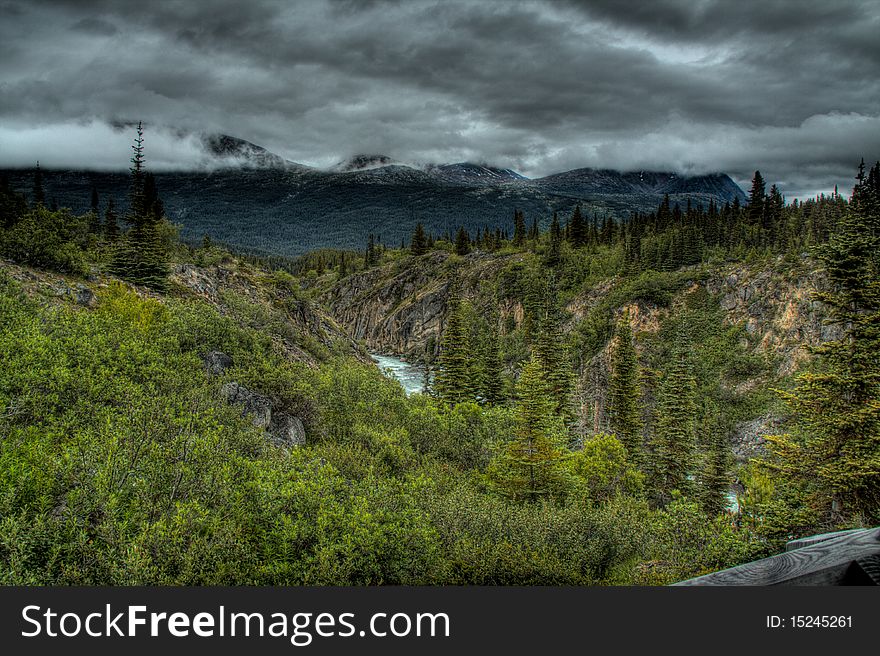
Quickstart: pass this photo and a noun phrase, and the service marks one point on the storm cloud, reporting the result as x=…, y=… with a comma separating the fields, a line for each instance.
x=790, y=88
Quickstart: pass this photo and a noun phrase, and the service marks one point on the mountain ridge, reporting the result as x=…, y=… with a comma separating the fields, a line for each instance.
x=256, y=200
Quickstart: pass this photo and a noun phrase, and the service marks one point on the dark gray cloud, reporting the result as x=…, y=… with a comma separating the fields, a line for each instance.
x=789, y=87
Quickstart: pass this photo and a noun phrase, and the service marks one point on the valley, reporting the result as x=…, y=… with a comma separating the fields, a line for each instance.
x=572, y=402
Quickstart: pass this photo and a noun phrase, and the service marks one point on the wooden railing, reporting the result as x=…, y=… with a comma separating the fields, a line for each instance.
x=842, y=558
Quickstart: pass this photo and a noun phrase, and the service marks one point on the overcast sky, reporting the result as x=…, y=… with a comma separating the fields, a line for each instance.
x=789, y=87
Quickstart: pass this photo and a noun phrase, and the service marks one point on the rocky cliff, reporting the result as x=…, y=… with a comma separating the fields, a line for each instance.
x=397, y=308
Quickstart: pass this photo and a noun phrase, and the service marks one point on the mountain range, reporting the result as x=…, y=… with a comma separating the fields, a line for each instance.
x=249, y=197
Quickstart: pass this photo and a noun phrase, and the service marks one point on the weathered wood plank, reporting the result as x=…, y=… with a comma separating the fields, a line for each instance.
x=815, y=539
x=823, y=563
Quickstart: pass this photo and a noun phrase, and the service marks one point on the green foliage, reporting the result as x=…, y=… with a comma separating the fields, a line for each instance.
x=52, y=240
x=530, y=466
x=675, y=434
x=624, y=410
x=490, y=541
x=454, y=381
x=686, y=543
x=603, y=469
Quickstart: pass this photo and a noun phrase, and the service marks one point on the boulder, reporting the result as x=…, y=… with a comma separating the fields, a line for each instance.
x=282, y=429
x=256, y=406
x=286, y=430
x=216, y=362
x=85, y=296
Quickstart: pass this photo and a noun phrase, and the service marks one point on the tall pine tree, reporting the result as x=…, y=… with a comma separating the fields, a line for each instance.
x=624, y=414
x=530, y=466
x=453, y=380
x=675, y=426
x=419, y=241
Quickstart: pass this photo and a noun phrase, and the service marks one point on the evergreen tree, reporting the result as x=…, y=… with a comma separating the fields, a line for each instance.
x=462, y=242
x=530, y=467
x=756, y=201
x=549, y=350
x=675, y=427
x=624, y=414
x=715, y=476
x=577, y=229
x=141, y=256
x=493, y=365
x=519, y=228
x=419, y=241
x=453, y=380
x=343, y=266
x=774, y=205
x=136, y=189
x=371, y=255
x=834, y=452
x=554, y=249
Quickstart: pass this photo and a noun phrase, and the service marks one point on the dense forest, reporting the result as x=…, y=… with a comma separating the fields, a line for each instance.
x=127, y=455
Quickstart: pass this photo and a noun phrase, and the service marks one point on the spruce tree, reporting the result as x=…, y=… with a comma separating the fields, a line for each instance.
x=548, y=348
x=755, y=210
x=419, y=241
x=462, y=242
x=624, y=414
x=343, y=266
x=577, y=228
x=715, y=475
x=675, y=427
x=519, y=228
x=141, y=255
x=453, y=380
x=371, y=255
x=554, y=249
x=493, y=365
x=530, y=466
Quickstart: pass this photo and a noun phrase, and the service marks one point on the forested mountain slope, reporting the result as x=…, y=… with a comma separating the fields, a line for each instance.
x=250, y=198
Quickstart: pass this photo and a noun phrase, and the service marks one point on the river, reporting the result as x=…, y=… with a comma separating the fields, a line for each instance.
x=410, y=376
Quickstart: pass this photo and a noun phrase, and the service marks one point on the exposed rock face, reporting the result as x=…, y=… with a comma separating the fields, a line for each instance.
x=777, y=310
x=38, y=283
x=749, y=437
x=282, y=429
x=399, y=307
x=197, y=279
x=216, y=362
x=394, y=313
